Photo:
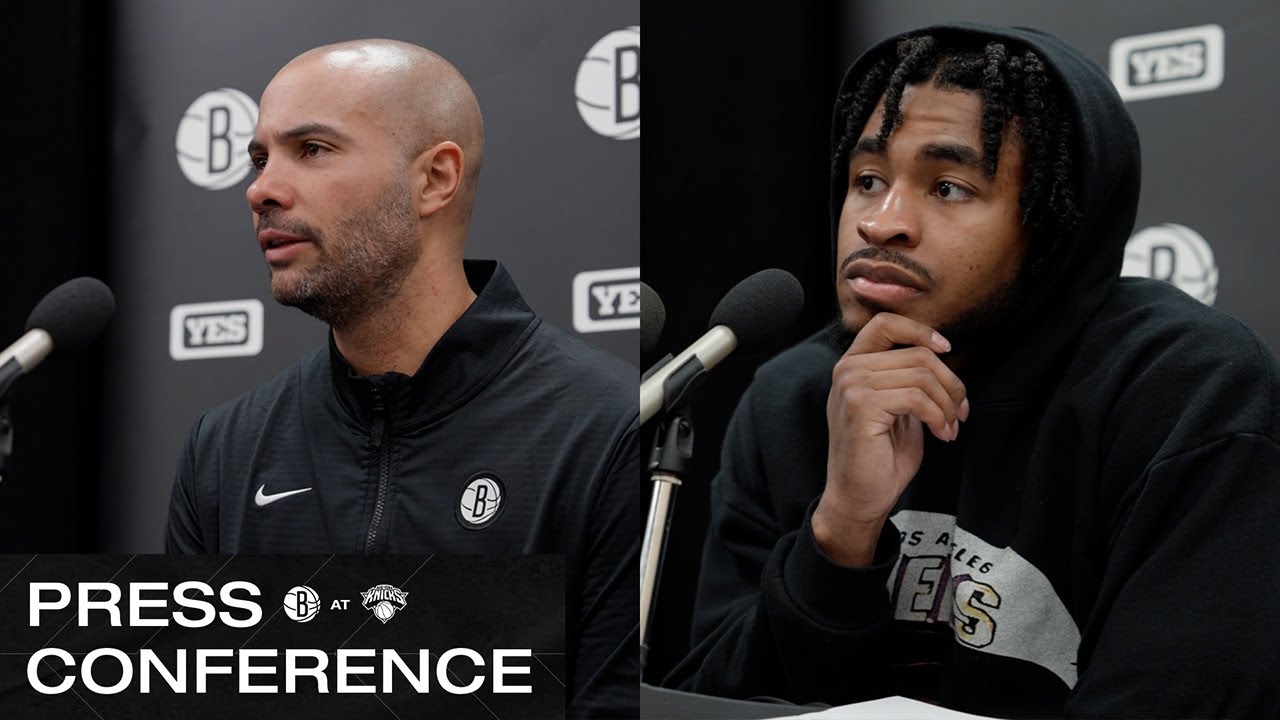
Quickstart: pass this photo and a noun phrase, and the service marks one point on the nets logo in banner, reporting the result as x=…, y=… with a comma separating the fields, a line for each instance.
x=301, y=604
x=212, y=137
x=195, y=637
x=232, y=328
x=608, y=85
x=606, y=300
x=1168, y=63
x=1175, y=254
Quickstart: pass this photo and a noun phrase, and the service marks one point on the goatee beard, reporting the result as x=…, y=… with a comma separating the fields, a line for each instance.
x=361, y=267
x=968, y=330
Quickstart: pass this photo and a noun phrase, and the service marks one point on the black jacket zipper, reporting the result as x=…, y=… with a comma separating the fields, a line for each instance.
x=384, y=469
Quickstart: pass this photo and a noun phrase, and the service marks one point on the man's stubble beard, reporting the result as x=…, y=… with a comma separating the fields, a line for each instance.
x=361, y=266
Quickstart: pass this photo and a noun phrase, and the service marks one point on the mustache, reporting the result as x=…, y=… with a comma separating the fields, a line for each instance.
x=887, y=255
x=297, y=228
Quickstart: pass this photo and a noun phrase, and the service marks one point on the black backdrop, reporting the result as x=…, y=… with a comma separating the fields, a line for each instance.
x=54, y=203
x=734, y=181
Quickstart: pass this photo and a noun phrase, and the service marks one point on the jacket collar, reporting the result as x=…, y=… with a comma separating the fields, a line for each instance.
x=465, y=359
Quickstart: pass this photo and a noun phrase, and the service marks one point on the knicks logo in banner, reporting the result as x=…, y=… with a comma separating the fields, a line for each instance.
x=608, y=85
x=606, y=300
x=1169, y=63
x=212, y=137
x=1175, y=254
x=214, y=330
x=384, y=600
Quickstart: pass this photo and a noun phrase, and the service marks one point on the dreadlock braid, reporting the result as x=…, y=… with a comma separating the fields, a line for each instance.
x=865, y=96
x=992, y=104
x=918, y=56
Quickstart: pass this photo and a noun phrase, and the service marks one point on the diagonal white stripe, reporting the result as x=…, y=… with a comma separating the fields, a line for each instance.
x=77, y=694
x=403, y=582
x=281, y=607
x=379, y=697
x=557, y=677
x=474, y=695
x=207, y=580
x=73, y=616
x=15, y=575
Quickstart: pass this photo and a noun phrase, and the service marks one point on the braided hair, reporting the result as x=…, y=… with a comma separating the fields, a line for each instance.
x=1015, y=88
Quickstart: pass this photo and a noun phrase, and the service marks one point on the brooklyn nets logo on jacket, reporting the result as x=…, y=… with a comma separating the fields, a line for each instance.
x=994, y=599
x=481, y=501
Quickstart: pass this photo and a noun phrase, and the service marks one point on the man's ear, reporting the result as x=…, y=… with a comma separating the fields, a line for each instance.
x=438, y=177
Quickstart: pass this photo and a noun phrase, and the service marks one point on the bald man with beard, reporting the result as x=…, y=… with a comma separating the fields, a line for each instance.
x=443, y=416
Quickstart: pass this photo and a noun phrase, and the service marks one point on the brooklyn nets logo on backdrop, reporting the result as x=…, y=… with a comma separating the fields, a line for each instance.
x=212, y=136
x=606, y=300
x=1168, y=63
x=608, y=85
x=1175, y=254
x=232, y=328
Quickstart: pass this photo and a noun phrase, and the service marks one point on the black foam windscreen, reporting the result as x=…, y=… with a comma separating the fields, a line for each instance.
x=74, y=313
x=653, y=316
x=762, y=305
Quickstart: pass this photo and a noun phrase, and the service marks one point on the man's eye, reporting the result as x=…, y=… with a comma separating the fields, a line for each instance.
x=311, y=149
x=259, y=162
x=951, y=191
x=869, y=183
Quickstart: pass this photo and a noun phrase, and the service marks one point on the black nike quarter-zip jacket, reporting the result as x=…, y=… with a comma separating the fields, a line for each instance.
x=513, y=437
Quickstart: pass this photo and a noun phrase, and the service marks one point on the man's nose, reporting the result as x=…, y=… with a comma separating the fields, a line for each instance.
x=271, y=190
x=892, y=221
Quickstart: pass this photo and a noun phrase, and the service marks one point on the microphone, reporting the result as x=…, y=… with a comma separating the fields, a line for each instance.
x=757, y=308
x=71, y=316
x=653, y=316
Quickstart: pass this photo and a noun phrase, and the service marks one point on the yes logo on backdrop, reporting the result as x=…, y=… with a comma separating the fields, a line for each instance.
x=212, y=137
x=232, y=328
x=606, y=300
x=1175, y=254
x=1168, y=63
x=608, y=85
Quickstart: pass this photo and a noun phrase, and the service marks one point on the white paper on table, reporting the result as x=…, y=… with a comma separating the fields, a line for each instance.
x=890, y=708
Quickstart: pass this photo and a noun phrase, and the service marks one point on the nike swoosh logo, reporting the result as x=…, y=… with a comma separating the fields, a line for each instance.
x=262, y=499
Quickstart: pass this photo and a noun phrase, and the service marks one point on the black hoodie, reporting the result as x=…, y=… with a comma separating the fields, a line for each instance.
x=1101, y=539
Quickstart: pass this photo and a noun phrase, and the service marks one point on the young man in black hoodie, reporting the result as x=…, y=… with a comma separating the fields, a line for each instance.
x=1009, y=481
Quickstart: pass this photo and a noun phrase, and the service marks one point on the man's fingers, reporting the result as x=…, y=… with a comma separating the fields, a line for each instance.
x=917, y=377
x=913, y=357
x=886, y=330
x=915, y=401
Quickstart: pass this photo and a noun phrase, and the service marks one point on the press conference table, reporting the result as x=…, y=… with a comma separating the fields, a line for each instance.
x=662, y=704
x=656, y=702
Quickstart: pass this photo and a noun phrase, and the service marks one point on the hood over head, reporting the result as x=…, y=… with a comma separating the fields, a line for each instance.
x=1106, y=169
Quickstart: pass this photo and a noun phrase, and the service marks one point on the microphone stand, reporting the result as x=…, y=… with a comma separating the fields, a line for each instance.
x=6, y=439
x=668, y=467
x=9, y=372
